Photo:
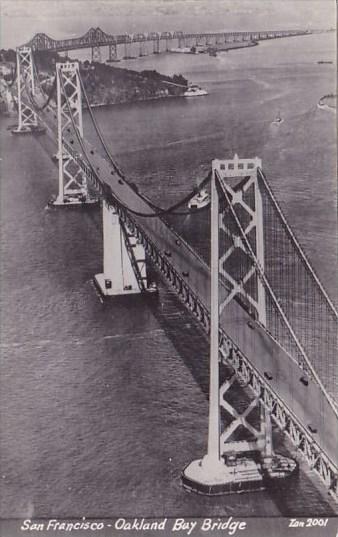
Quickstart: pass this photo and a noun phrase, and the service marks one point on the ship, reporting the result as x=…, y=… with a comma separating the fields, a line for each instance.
x=202, y=199
x=279, y=468
x=278, y=120
x=195, y=91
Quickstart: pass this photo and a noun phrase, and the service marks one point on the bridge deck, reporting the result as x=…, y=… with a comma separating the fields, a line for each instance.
x=307, y=403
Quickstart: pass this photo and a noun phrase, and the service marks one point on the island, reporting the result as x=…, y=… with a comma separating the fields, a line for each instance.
x=104, y=84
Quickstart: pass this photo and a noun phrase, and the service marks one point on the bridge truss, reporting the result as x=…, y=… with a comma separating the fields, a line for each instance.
x=96, y=38
x=27, y=118
x=241, y=230
x=73, y=188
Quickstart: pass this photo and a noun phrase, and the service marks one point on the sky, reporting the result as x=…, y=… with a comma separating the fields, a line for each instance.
x=20, y=20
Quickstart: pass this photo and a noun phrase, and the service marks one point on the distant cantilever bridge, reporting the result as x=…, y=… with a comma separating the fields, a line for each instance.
x=96, y=38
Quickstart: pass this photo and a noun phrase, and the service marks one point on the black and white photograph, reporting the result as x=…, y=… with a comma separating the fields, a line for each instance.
x=168, y=273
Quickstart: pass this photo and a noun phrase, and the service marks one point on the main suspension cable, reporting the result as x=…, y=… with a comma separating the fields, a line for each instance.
x=107, y=189
x=51, y=91
x=158, y=210
x=50, y=95
x=98, y=130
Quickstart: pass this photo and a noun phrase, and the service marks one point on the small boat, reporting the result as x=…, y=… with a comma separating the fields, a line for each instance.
x=195, y=91
x=202, y=199
x=280, y=468
x=278, y=120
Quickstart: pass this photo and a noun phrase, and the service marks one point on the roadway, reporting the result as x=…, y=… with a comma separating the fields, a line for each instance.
x=306, y=402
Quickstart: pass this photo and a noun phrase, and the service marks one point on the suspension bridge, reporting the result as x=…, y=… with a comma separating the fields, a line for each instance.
x=272, y=326
x=96, y=38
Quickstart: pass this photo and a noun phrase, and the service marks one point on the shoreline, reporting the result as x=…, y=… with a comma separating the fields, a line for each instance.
x=12, y=111
x=228, y=47
x=132, y=101
x=212, y=50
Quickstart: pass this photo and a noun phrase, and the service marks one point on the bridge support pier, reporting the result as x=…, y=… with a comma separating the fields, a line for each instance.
x=96, y=54
x=112, y=53
x=124, y=265
x=142, y=49
x=127, y=51
x=156, y=46
x=73, y=188
x=181, y=42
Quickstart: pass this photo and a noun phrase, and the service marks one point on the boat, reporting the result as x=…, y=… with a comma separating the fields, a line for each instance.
x=195, y=91
x=182, y=50
x=278, y=120
x=202, y=199
x=279, y=468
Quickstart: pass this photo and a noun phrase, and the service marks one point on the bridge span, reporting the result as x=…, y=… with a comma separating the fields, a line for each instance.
x=257, y=340
x=96, y=38
x=190, y=276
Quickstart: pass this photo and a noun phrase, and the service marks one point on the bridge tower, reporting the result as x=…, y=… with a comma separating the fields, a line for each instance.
x=239, y=179
x=229, y=465
x=181, y=41
x=127, y=50
x=156, y=45
x=112, y=53
x=96, y=54
x=27, y=118
x=142, y=49
x=73, y=189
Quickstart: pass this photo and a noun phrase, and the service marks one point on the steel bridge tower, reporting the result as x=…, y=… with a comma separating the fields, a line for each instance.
x=27, y=118
x=124, y=262
x=241, y=183
x=73, y=188
x=218, y=472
